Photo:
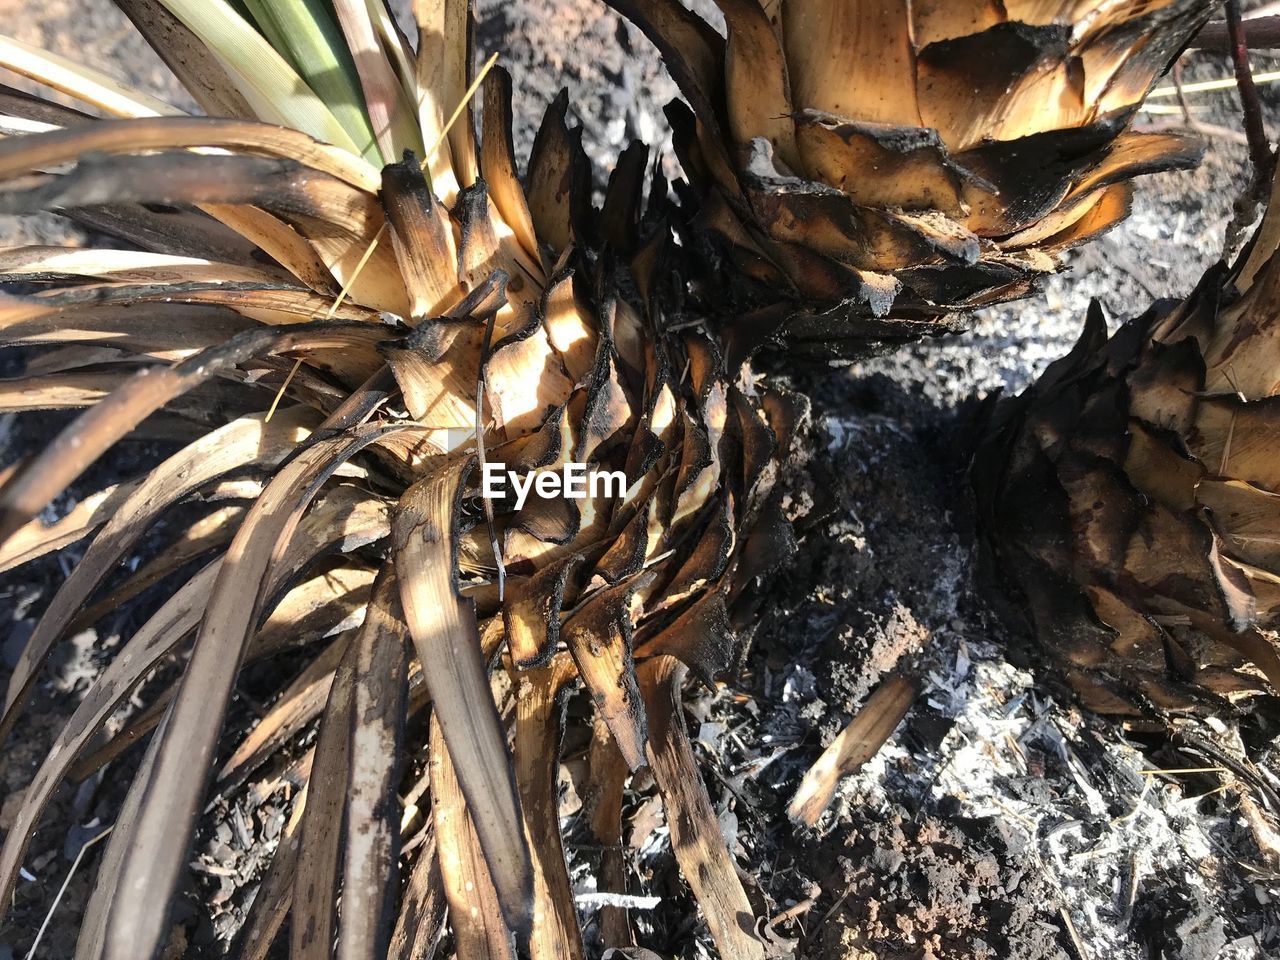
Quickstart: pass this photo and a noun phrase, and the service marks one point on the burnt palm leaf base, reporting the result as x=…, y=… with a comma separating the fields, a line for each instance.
x=1130, y=498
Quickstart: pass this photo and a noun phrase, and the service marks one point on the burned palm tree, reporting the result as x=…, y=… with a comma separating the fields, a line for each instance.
x=871, y=168
x=1131, y=497
x=350, y=310
x=342, y=299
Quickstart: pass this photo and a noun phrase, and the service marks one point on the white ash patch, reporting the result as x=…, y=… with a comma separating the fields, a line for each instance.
x=1096, y=857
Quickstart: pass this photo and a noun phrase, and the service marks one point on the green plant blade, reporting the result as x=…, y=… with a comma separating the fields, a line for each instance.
x=306, y=34
x=264, y=78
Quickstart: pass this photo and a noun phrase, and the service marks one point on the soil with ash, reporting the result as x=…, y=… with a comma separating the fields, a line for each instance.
x=999, y=821
x=936, y=886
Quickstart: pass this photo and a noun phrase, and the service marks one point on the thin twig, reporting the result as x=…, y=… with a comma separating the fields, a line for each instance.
x=457, y=111
x=1163, y=110
x=293, y=371
x=1206, y=129
x=1189, y=119
x=1182, y=94
x=1071, y=932
x=63, y=889
x=329, y=315
x=1209, y=86
x=796, y=910
x=830, y=913
x=1259, y=148
x=1260, y=33
x=481, y=392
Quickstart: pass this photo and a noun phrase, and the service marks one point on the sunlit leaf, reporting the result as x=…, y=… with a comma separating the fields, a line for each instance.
x=305, y=32
x=264, y=78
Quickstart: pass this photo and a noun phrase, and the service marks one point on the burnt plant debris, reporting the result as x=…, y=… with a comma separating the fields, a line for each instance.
x=328, y=691
x=868, y=171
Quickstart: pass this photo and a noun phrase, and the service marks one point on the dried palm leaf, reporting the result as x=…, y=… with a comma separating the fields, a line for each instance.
x=374, y=333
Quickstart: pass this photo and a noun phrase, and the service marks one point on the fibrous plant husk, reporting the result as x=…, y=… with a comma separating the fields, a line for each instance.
x=864, y=171
x=351, y=313
x=1130, y=498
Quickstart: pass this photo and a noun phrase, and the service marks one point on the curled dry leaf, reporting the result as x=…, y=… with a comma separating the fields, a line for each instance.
x=314, y=912
x=540, y=701
x=444, y=630
x=475, y=910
